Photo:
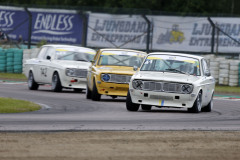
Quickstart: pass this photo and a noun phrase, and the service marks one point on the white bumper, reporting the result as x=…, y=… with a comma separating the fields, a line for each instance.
x=162, y=99
x=73, y=82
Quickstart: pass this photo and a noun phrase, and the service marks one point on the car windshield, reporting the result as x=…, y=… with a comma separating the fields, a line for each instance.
x=76, y=55
x=171, y=63
x=121, y=58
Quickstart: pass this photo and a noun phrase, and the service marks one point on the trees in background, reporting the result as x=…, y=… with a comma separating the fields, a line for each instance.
x=226, y=7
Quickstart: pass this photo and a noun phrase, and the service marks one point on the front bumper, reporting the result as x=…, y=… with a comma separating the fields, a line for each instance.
x=74, y=82
x=162, y=99
x=113, y=89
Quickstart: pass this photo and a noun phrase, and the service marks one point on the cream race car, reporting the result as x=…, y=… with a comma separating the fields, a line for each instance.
x=172, y=80
x=62, y=66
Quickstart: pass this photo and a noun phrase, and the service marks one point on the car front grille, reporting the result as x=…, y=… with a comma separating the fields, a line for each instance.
x=161, y=86
x=117, y=78
x=81, y=73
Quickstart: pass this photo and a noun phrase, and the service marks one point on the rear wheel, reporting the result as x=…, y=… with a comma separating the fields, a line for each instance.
x=95, y=95
x=56, y=83
x=197, y=106
x=146, y=107
x=130, y=105
x=32, y=85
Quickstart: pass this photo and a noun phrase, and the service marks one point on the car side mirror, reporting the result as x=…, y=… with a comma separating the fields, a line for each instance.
x=48, y=57
x=135, y=68
x=208, y=74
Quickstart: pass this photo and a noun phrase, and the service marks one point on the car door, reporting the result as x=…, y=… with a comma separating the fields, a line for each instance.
x=208, y=83
x=48, y=65
x=37, y=68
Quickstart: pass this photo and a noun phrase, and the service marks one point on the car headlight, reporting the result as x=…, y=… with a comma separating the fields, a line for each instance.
x=105, y=77
x=137, y=84
x=187, y=88
x=70, y=72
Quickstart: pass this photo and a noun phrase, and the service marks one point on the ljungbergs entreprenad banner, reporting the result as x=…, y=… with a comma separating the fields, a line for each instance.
x=118, y=31
x=175, y=33
x=194, y=34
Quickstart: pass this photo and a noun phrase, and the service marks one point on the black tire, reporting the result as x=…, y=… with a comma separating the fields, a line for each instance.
x=95, y=95
x=32, y=85
x=146, y=107
x=197, y=106
x=130, y=105
x=88, y=93
x=209, y=107
x=78, y=90
x=56, y=83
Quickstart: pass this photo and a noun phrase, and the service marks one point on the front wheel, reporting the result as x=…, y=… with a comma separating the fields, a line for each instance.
x=32, y=85
x=56, y=83
x=130, y=105
x=209, y=107
x=197, y=106
x=88, y=93
x=95, y=95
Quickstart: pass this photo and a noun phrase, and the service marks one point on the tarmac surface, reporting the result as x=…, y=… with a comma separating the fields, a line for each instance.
x=71, y=111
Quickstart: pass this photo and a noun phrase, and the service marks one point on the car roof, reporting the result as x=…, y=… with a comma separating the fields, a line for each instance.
x=66, y=46
x=176, y=54
x=118, y=49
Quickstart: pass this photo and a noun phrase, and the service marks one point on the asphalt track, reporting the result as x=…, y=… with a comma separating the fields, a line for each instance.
x=70, y=111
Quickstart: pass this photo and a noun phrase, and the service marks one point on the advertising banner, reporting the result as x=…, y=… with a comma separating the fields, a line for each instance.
x=14, y=22
x=118, y=31
x=56, y=26
x=231, y=28
x=173, y=33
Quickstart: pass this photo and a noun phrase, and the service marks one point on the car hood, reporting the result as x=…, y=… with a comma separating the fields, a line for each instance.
x=73, y=64
x=116, y=70
x=166, y=76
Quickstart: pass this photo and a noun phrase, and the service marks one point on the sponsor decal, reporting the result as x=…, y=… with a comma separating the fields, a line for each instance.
x=172, y=36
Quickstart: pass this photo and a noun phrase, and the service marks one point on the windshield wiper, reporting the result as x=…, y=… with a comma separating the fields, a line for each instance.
x=176, y=70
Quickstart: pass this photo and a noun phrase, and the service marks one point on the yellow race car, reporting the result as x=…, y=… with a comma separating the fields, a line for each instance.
x=111, y=71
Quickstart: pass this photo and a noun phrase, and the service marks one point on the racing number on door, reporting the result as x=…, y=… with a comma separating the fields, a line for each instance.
x=43, y=72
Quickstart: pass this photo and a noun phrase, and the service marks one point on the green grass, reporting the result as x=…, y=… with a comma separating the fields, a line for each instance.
x=16, y=76
x=9, y=105
x=227, y=89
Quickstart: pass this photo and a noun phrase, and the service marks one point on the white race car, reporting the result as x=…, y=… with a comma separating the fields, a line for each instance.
x=172, y=80
x=62, y=66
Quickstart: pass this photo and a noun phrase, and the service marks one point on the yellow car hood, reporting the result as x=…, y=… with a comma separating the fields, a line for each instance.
x=116, y=70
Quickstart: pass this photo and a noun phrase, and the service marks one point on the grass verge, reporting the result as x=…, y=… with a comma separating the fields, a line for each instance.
x=227, y=89
x=12, y=76
x=9, y=105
